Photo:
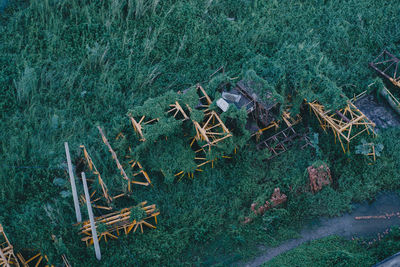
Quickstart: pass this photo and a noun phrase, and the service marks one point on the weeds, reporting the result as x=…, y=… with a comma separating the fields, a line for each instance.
x=69, y=65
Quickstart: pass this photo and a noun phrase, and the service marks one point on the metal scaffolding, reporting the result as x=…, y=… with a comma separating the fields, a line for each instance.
x=111, y=225
x=7, y=256
x=283, y=141
x=212, y=130
x=344, y=122
x=209, y=132
x=387, y=65
x=138, y=171
x=98, y=196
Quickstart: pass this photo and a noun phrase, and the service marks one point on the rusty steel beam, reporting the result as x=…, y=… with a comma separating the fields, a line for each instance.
x=387, y=65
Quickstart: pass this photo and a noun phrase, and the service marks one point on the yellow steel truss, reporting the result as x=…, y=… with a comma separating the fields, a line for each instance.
x=7, y=256
x=343, y=122
x=118, y=221
x=133, y=164
x=104, y=194
x=212, y=130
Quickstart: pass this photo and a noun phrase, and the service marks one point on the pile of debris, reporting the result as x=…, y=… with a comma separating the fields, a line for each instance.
x=277, y=199
x=262, y=112
x=319, y=177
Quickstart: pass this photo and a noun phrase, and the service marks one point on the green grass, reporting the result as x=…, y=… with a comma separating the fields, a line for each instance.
x=337, y=251
x=329, y=251
x=67, y=66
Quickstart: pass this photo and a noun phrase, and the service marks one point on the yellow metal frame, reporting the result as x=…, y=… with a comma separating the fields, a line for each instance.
x=37, y=259
x=7, y=256
x=138, y=125
x=289, y=120
x=204, y=99
x=118, y=221
x=132, y=163
x=104, y=195
x=212, y=130
x=176, y=109
x=343, y=122
x=200, y=158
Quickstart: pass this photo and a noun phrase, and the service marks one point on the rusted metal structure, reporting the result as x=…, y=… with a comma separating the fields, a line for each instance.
x=343, y=123
x=387, y=65
x=111, y=225
x=262, y=110
x=283, y=141
x=7, y=256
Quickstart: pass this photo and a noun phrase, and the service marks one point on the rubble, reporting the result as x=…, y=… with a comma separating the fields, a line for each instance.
x=319, y=177
x=277, y=198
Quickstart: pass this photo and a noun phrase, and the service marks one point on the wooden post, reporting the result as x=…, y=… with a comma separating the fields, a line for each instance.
x=73, y=187
x=91, y=218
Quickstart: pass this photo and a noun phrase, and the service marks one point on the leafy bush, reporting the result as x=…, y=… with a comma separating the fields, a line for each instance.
x=137, y=214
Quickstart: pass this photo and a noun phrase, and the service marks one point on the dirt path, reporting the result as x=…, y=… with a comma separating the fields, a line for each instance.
x=346, y=226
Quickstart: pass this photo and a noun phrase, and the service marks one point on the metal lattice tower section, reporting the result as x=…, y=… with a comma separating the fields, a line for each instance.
x=346, y=123
x=7, y=256
x=138, y=172
x=209, y=132
x=111, y=225
x=387, y=65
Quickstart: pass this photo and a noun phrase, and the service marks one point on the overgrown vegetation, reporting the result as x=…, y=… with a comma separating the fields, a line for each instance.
x=67, y=66
x=337, y=251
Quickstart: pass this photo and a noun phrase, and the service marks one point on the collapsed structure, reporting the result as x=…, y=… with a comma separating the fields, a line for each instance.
x=117, y=222
x=186, y=113
x=387, y=65
x=101, y=198
x=24, y=258
x=263, y=114
x=7, y=256
x=343, y=123
x=319, y=177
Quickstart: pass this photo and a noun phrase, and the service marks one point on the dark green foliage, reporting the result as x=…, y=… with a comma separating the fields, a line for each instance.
x=337, y=251
x=329, y=251
x=137, y=214
x=67, y=66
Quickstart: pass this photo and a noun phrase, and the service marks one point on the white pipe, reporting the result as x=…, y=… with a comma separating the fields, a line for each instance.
x=73, y=187
x=91, y=218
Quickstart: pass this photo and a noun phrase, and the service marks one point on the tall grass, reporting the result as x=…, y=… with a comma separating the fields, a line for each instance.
x=69, y=65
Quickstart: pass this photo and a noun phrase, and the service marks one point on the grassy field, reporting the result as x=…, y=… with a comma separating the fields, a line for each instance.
x=67, y=66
